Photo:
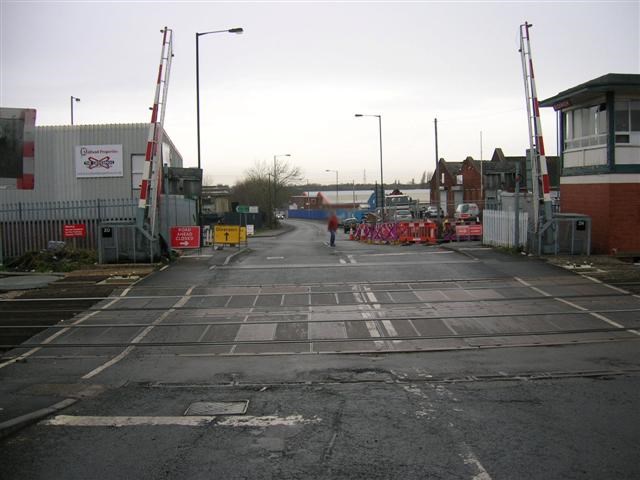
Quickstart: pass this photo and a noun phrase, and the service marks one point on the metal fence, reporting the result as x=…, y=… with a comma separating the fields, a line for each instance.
x=499, y=228
x=30, y=226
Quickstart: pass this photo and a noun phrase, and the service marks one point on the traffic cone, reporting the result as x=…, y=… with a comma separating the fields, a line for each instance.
x=351, y=233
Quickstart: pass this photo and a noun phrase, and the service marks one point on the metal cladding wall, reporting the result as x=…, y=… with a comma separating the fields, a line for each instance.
x=55, y=174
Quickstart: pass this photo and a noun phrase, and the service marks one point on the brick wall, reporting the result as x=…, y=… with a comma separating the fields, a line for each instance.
x=614, y=210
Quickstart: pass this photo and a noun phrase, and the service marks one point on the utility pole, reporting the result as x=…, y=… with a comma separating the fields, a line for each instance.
x=435, y=124
x=516, y=233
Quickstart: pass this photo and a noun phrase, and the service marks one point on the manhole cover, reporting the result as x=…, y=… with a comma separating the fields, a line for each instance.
x=217, y=408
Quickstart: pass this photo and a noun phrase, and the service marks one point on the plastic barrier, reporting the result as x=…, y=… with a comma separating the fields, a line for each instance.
x=401, y=232
x=468, y=232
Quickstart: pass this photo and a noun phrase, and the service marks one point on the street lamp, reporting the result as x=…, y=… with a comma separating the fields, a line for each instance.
x=198, y=35
x=337, y=194
x=72, y=100
x=381, y=176
x=275, y=185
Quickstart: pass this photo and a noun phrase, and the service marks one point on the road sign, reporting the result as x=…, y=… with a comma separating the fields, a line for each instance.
x=250, y=230
x=73, y=230
x=242, y=209
x=185, y=237
x=253, y=209
x=227, y=234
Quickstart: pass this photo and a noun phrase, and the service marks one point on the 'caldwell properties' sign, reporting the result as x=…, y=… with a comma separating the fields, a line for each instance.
x=98, y=161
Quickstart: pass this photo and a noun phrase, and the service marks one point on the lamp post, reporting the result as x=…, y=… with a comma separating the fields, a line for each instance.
x=275, y=183
x=337, y=194
x=198, y=35
x=72, y=100
x=381, y=176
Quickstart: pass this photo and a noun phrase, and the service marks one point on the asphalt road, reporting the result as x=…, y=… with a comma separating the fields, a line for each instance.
x=360, y=361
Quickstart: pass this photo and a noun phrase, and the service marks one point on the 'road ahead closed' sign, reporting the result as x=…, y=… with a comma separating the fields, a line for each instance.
x=185, y=237
x=226, y=234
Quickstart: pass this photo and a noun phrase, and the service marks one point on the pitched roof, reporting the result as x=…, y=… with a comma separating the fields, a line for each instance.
x=619, y=82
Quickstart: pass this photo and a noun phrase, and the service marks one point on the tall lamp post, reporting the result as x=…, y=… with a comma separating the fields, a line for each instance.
x=381, y=176
x=275, y=185
x=72, y=100
x=337, y=194
x=198, y=35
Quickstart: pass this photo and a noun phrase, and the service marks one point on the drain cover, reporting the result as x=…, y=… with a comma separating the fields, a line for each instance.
x=217, y=408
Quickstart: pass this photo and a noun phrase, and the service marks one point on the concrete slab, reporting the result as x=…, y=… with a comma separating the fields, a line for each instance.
x=26, y=282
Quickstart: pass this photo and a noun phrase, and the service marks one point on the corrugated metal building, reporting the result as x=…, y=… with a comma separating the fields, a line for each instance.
x=56, y=173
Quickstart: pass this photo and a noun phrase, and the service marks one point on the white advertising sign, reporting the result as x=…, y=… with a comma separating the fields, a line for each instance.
x=98, y=161
x=250, y=230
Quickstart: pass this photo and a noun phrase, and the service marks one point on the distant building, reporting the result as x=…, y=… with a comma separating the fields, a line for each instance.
x=599, y=129
x=450, y=184
x=216, y=199
x=498, y=176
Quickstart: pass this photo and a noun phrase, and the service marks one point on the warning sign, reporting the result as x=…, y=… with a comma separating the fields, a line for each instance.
x=229, y=234
x=185, y=237
x=73, y=230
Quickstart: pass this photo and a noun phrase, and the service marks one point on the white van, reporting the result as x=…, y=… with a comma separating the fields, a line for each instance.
x=466, y=211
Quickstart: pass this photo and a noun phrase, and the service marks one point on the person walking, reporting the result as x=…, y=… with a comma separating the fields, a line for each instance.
x=332, y=227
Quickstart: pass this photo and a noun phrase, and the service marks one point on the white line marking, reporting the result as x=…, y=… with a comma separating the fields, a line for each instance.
x=343, y=261
x=164, y=268
x=186, y=421
x=91, y=421
x=535, y=289
x=469, y=458
x=351, y=259
x=125, y=291
x=58, y=333
x=137, y=339
x=596, y=315
x=621, y=290
x=275, y=258
x=267, y=421
x=578, y=307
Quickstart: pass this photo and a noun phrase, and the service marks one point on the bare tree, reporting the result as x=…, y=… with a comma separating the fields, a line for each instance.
x=267, y=185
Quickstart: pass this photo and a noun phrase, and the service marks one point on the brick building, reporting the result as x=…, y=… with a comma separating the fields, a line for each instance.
x=499, y=175
x=599, y=129
x=451, y=186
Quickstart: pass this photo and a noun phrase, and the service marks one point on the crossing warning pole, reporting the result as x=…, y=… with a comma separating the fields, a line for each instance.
x=151, y=173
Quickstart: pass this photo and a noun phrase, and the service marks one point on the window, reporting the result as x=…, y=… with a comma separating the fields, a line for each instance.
x=585, y=127
x=622, y=116
x=635, y=116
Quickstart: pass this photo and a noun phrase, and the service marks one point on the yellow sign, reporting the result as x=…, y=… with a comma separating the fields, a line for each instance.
x=228, y=234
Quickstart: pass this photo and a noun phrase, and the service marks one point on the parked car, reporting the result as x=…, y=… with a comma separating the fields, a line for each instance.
x=402, y=215
x=432, y=211
x=347, y=223
x=280, y=216
x=467, y=211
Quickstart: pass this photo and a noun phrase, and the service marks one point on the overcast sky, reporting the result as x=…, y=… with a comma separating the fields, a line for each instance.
x=293, y=82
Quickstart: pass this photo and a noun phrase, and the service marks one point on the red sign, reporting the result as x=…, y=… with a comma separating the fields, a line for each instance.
x=462, y=230
x=475, y=230
x=74, y=230
x=185, y=237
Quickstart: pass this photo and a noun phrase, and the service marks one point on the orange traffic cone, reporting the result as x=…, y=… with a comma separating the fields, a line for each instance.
x=351, y=233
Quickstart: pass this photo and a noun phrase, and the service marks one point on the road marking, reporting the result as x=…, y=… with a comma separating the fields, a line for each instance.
x=343, y=261
x=138, y=338
x=617, y=289
x=351, y=259
x=185, y=421
x=164, y=268
x=275, y=258
x=58, y=333
x=597, y=315
x=267, y=421
x=469, y=458
x=535, y=289
x=578, y=307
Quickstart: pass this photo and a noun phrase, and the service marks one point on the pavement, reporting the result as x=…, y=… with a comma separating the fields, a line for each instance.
x=360, y=361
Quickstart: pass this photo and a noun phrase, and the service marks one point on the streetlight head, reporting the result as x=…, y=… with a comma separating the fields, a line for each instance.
x=237, y=30
x=77, y=99
x=359, y=115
